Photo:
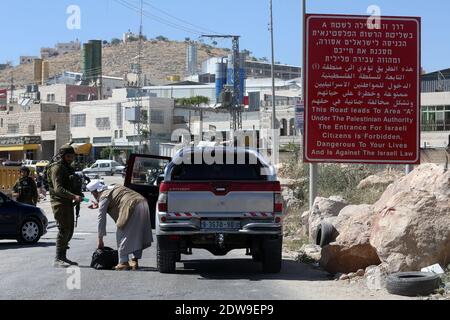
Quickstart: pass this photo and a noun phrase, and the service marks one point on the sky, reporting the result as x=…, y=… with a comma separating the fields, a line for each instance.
x=27, y=25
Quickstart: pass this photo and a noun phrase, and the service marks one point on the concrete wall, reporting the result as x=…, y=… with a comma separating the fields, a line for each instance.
x=435, y=139
x=110, y=84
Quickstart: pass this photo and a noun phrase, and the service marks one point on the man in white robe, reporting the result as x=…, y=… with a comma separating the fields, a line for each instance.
x=131, y=213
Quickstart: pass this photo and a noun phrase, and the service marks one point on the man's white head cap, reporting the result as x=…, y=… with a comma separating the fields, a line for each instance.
x=96, y=186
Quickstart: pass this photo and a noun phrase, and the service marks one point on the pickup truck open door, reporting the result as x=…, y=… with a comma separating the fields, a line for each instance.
x=144, y=175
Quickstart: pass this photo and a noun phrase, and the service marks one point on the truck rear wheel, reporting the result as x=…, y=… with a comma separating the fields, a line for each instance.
x=272, y=255
x=166, y=260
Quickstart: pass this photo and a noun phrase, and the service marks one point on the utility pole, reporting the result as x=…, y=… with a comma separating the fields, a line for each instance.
x=138, y=98
x=408, y=169
x=274, y=116
x=11, y=98
x=140, y=45
x=274, y=113
x=313, y=168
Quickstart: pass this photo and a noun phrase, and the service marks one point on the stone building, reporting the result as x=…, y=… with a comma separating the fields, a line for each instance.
x=33, y=131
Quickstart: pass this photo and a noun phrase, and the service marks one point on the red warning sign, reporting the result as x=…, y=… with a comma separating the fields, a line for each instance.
x=362, y=95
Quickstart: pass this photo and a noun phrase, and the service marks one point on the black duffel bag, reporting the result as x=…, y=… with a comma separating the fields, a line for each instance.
x=105, y=259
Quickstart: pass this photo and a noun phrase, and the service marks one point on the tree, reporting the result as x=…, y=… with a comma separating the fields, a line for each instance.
x=116, y=42
x=187, y=39
x=145, y=134
x=108, y=153
x=214, y=43
x=193, y=101
x=199, y=100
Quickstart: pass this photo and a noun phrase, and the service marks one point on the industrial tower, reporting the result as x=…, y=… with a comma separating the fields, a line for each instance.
x=235, y=106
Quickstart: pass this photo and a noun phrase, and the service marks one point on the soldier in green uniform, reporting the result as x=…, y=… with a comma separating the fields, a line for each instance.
x=25, y=190
x=64, y=195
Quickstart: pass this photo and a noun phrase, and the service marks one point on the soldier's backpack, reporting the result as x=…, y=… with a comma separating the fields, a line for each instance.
x=105, y=259
x=45, y=177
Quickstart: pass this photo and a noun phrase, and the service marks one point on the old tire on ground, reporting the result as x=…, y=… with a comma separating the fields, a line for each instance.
x=325, y=233
x=272, y=255
x=166, y=260
x=30, y=232
x=412, y=284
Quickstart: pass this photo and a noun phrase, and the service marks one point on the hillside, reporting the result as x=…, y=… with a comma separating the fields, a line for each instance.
x=160, y=59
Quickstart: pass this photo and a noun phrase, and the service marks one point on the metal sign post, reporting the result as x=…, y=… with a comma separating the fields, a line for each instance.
x=313, y=167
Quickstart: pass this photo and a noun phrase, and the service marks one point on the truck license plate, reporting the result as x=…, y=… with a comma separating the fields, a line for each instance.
x=221, y=225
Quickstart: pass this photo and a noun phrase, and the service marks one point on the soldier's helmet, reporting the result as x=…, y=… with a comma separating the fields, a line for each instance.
x=66, y=149
x=25, y=169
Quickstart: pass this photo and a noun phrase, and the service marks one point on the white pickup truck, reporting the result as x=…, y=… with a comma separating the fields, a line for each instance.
x=233, y=203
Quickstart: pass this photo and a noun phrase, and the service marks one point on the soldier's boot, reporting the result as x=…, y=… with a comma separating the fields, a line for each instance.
x=61, y=261
x=58, y=263
x=64, y=258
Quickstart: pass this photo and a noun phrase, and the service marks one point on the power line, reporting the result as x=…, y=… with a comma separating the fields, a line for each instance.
x=158, y=19
x=179, y=19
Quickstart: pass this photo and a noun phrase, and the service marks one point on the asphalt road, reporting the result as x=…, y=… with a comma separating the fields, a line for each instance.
x=26, y=272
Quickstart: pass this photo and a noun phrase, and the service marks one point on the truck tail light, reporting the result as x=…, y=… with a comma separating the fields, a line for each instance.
x=162, y=202
x=278, y=203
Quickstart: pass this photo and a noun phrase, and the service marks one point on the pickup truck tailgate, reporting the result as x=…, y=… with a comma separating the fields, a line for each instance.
x=221, y=197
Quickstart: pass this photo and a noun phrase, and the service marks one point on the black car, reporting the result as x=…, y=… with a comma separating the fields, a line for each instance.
x=24, y=223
